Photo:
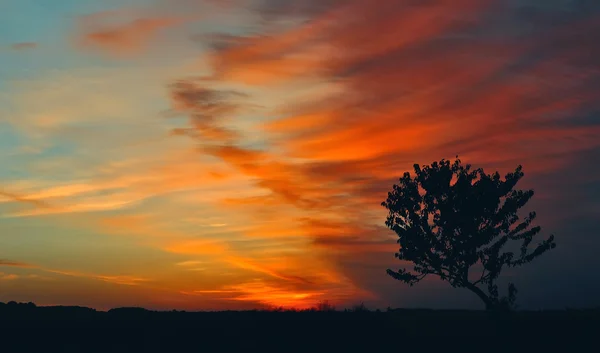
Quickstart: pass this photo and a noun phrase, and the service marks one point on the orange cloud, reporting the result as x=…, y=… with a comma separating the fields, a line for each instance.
x=8, y=276
x=117, y=34
x=420, y=82
x=266, y=294
x=278, y=297
x=351, y=94
x=190, y=263
x=23, y=199
x=197, y=247
x=250, y=265
x=9, y=263
x=121, y=279
x=117, y=279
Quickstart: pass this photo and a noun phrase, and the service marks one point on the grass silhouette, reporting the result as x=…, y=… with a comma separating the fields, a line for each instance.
x=28, y=328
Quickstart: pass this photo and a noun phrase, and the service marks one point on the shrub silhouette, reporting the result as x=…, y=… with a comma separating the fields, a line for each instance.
x=360, y=308
x=325, y=306
x=450, y=218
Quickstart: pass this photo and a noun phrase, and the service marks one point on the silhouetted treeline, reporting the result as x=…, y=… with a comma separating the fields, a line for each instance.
x=27, y=328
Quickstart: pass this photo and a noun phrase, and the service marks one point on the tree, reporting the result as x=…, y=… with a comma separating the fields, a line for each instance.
x=451, y=219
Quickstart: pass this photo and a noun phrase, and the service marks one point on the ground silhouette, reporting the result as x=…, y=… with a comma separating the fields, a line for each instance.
x=28, y=328
x=457, y=223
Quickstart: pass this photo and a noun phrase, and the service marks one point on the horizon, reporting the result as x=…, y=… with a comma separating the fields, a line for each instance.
x=348, y=309
x=230, y=155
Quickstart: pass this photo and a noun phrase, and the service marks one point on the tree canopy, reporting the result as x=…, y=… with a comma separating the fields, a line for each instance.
x=454, y=222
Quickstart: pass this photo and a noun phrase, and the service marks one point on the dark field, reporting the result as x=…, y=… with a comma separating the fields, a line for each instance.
x=26, y=328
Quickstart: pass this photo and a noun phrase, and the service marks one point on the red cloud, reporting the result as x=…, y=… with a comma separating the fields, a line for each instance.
x=422, y=81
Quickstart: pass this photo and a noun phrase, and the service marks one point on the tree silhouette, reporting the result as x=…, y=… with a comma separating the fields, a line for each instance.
x=451, y=219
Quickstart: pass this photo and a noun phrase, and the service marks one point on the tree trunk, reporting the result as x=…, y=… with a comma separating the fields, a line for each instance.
x=481, y=294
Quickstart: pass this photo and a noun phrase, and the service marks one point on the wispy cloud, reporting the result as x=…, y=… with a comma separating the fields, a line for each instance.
x=300, y=117
x=420, y=82
x=250, y=265
x=8, y=276
x=264, y=293
x=116, y=279
x=197, y=247
x=9, y=263
x=24, y=46
x=24, y=199
x=120, y=33
x=189, y=263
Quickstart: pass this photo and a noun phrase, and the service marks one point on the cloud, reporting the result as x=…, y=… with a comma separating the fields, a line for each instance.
x=9, y=263
x=267, y=294
x=207, y=109
x=112, y=164
x=116, y=279
x=270, y=294
x=24, y=46
x=197, y=247
x=307, y=115
x=8, y=276
x=498, y=84
x=189, y=263
x=284, y=8
x=119, y=33
x=250, y=265
x=18, y=198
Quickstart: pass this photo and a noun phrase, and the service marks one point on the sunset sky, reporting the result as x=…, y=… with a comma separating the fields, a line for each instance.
x=230, y=154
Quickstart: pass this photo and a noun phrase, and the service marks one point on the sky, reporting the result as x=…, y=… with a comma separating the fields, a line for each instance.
x=233, y=154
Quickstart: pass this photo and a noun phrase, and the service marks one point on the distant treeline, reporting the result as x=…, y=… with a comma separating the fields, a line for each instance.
x=25, y=327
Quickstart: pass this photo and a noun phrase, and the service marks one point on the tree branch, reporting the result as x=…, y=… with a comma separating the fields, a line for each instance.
x=482, y=276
